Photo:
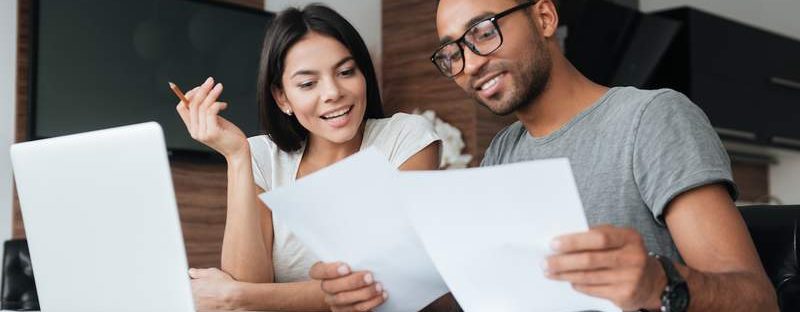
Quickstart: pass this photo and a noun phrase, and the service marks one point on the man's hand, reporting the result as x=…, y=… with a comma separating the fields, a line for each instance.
x=611, y=263
x=347, y=291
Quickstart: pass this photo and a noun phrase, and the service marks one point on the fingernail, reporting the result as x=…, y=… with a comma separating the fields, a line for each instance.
x=379, y=287
x=208, y=81
x=385, y=295
x=544, y=265
x=343, y=270
x=555, y=245
x=368, y=278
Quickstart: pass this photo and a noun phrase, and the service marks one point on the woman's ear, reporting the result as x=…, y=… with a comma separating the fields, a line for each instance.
x=280, y=98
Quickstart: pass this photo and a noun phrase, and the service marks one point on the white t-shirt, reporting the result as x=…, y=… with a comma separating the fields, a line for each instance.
x=398, y=137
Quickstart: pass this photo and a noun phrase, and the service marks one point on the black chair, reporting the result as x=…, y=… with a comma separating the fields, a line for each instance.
x=18, y=287
x=774, y=230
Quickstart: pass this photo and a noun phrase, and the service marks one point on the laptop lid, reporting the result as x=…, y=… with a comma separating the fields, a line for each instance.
x=101, y=221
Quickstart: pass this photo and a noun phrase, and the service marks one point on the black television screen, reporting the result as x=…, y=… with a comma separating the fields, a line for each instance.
x=100, y=64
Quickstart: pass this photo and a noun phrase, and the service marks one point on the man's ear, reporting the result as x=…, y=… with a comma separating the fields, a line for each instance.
x=546, y=15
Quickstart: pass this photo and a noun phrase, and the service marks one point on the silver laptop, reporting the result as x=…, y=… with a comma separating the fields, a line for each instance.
x=101, y=221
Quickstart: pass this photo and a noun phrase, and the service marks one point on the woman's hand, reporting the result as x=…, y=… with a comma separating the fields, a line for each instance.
x=346, y=291
x=202, y=119
x=213, y=289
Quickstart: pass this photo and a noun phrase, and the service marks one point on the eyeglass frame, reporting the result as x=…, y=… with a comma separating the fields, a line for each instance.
x=494, y=18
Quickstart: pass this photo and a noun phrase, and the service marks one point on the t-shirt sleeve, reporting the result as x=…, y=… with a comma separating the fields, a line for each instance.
x=260, y=154
x=676, y=150
x=413, y=133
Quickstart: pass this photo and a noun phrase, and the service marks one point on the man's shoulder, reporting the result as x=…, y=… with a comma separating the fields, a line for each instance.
x=631, y=99
x=503, y=141
x=509, y=135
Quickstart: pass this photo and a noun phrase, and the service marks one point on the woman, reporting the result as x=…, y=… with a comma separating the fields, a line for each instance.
x=319, y=102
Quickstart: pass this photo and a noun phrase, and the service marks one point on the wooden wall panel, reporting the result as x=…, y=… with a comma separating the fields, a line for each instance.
x=23, y=48
x=410, y=80
x=200, y=187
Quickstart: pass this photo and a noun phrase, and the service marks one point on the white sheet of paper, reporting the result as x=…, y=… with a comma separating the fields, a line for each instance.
x=351, y=212
x=488, y=231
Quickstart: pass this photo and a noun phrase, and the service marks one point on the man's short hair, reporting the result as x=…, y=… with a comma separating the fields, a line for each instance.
x=556, y=2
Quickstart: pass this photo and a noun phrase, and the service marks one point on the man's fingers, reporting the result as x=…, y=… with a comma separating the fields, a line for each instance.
x=328, y=270
x=350, y=282
x=599, y=291
x=600, y=238
x=590, y=278
x=583, y=261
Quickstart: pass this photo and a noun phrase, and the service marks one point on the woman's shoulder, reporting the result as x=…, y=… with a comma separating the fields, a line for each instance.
x=261, y=142
x=264, y=151
x=400, y=122
x=400, y=136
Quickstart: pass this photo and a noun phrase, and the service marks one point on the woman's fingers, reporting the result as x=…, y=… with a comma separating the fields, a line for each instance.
x=355, y=296
x=372, y=303
x=206, y=122
x=183, y=112
x=211, y=115
x=350, y=282
x=194, y=106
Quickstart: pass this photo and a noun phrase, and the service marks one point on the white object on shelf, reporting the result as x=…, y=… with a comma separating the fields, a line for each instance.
x=452, y=142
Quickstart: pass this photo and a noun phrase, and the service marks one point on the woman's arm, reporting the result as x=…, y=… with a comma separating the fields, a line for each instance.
x=214, y=290
x=425, y=159
x=247, y=242
x=246, y=247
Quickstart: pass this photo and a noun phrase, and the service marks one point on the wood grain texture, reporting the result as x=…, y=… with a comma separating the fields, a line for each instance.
x=411, y=81
x=200, y=187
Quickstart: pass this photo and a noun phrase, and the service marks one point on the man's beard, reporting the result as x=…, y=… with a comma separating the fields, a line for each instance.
x=530, y=81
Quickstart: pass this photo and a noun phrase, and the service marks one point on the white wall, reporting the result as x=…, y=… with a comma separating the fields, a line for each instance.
x=8, y=69
x=778, y=16
x=364, y=15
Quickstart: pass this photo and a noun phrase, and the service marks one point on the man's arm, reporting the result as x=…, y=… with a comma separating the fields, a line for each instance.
x=722, y=268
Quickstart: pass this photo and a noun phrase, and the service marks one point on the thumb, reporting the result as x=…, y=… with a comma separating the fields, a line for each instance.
x=197, y=273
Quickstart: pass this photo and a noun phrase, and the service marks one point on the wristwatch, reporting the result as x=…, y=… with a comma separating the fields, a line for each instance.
x=675, y=297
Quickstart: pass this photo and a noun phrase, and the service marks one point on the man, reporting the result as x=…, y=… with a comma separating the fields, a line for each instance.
x=653, y=176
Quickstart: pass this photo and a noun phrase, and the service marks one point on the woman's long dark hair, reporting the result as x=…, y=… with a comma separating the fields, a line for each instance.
x=283, y=32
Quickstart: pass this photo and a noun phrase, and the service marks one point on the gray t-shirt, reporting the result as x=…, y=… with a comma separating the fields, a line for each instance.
x=631, y=152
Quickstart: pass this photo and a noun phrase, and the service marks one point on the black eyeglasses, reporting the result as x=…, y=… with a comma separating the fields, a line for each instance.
x=482, y=38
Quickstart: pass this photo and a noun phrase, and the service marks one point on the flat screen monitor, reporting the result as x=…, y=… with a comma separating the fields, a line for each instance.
x=99, y=64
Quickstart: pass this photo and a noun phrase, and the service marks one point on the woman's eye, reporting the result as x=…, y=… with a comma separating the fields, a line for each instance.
x=305, y=84
x=347, y=72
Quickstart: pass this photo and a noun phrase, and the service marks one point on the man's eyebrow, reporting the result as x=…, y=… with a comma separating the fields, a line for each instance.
x=475, y=20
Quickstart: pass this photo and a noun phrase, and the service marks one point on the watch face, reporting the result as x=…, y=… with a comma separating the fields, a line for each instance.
x=678, y=298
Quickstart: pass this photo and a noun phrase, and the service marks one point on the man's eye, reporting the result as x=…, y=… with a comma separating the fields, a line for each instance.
x=489, y=33
x=306, y=84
